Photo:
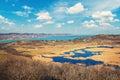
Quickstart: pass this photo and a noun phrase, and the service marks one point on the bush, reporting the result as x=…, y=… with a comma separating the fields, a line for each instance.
x=17, y=69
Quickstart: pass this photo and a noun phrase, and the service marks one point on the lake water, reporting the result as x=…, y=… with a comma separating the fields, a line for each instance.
x=85, y=54
x=87, y=62
x=47, y=38
x=77, y=54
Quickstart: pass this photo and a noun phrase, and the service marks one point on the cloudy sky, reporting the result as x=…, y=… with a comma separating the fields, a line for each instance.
x=60, y=16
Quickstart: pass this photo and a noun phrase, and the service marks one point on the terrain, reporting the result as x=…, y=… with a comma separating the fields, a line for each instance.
x=37, y=49
x=42, y=53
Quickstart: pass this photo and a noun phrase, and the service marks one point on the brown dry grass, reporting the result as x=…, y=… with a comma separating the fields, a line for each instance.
x=23, y=69
x=51, y=49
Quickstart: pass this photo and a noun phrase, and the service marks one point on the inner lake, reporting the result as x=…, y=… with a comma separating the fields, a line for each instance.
x=81, y=53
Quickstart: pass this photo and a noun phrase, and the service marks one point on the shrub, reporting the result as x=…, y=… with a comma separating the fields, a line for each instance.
x=20, y=69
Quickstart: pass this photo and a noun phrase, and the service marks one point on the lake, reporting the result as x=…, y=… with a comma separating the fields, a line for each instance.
x=71, y=37
x=87, y=62
x=85, y=54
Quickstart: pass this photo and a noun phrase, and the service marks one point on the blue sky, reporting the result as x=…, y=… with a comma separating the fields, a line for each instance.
x=60, y=16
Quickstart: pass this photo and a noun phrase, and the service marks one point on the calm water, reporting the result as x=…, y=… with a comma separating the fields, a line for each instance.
x=85, y=54
x=47, y=38
x=77, y=54
x=87, y=62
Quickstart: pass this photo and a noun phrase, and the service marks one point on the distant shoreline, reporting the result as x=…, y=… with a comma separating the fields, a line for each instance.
x=46, y=38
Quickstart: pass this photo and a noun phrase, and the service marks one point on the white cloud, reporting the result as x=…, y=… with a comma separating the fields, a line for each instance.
x=60, y=7
x=63, y=23
x=100, y=5
x=49, y=22
x=89, y=24
x=5, y=28
x=58, y=25
x=70, y=22
x=38, y=26
x=43, y=16
x=117, y=20
x=95, y=24
x=29, y=20
x=107, y=5
x=20, y=13
x=101, y=19
x=77, y=8
x=105, y=24
x=4, y=20
x=27, y=7
x=25, y=13
x=60, y=10
x=104, y=16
